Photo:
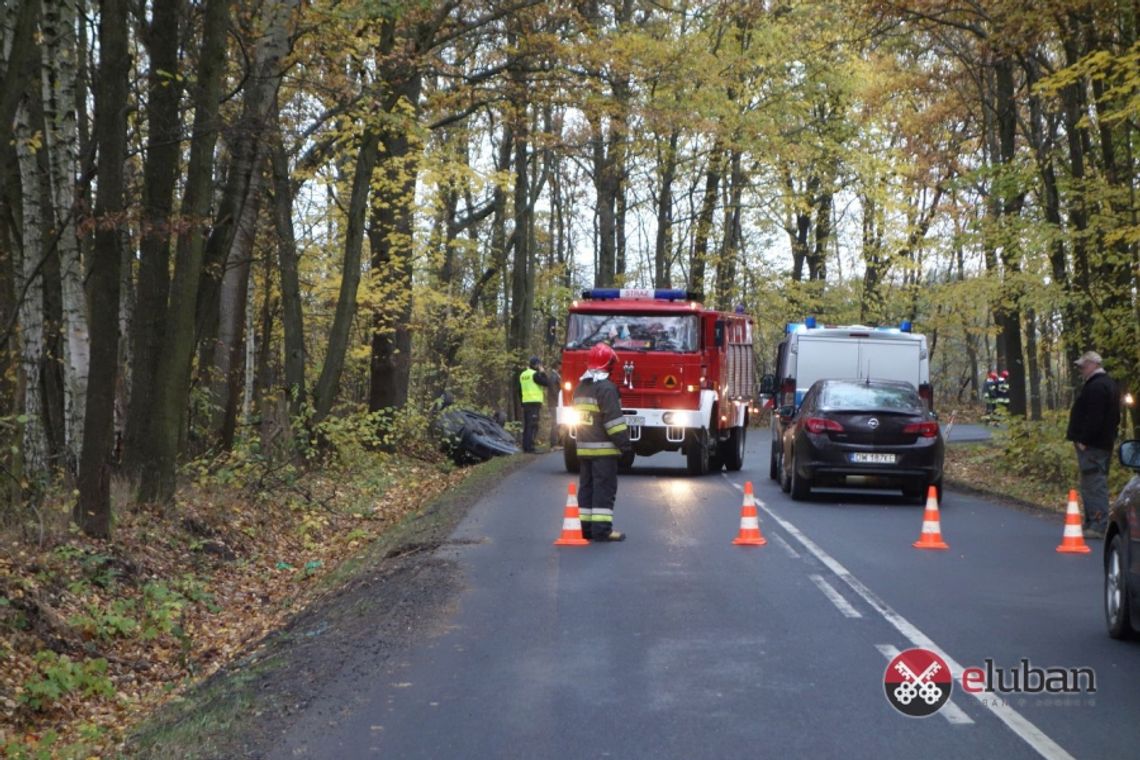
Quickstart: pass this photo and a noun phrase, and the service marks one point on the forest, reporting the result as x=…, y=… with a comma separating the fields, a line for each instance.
x=232, y=226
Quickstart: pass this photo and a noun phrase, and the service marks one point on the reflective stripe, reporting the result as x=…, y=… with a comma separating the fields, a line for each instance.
x=600, y=519
x=595, y=445
x=620, y=428
x=614, y=423
x=610, y=452
x=586, y=407
x=606, y=512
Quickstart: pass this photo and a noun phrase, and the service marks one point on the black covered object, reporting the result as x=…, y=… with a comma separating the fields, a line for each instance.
x=469, y=437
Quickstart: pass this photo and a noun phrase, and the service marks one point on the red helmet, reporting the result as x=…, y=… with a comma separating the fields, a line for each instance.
x=993, y=376
x=1004, y=373
x=601, y=356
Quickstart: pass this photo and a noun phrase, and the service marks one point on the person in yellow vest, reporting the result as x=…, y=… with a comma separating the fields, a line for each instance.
x=532, y=381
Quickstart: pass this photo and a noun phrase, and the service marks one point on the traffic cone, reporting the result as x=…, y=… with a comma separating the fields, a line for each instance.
x=571, y=521
x=1073, y=540
x=749, y=521
x=931, y=537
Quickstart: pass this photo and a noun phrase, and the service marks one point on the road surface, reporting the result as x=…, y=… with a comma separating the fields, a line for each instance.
x=677, y=644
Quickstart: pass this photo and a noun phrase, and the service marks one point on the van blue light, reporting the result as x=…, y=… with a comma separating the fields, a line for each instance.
x=905, y=326
x=809, y=323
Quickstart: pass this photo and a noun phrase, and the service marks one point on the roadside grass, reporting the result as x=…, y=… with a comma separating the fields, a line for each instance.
x=95, y=636
x=1026, y=462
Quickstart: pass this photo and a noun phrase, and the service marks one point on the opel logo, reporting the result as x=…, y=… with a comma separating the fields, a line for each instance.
x=873, y=423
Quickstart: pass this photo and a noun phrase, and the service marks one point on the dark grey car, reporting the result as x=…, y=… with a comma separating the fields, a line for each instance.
x=868, y=432
x=1122, y=553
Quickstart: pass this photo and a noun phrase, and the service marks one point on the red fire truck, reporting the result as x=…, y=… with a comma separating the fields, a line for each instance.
x=686, y=373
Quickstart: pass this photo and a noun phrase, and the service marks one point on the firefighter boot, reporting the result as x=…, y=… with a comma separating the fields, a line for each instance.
x=613, y=535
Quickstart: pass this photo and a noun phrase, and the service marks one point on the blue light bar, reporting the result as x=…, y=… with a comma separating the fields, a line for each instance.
x=809, y=323
x=664, y=294
x=905, y=326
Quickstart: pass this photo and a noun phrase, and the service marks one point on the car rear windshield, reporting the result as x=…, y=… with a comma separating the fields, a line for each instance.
x=635, y=332
x=879, y=397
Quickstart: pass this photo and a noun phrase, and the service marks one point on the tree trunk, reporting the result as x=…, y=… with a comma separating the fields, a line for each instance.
x=329, y=380
x=705, y=219
x=522, y=297
x=92, y=511
x=292, y=316
x=22, y=44
x=172, y=379
x=392, y=258
x=663, y=249
x=726, y=286
x=61, y=143
x=148, y=326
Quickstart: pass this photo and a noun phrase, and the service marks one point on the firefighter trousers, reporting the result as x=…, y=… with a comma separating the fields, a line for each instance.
x=597, y=490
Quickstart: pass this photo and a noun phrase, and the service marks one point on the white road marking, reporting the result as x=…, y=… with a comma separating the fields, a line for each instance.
x=949, y=711
x=1015, y=721
x=835, y=597
x=785, y=546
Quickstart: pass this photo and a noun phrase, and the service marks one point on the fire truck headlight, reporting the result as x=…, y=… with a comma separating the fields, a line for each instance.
x=566, y=386
x=690, y=388
x=571, y=417
x=667, y=418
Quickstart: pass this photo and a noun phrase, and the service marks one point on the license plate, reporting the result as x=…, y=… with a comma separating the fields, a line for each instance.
x=634, y=421
x=873, y=458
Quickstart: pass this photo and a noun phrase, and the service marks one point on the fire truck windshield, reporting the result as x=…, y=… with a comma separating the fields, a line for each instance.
x=635, y=332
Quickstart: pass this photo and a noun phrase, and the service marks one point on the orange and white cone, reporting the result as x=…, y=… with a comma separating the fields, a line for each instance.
x=1073, y=540
x=571, y=521
x=931, y=537
x=749, y=534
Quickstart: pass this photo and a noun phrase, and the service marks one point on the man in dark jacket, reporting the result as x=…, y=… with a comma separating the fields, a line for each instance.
x=602, y=436
x=1092, y=429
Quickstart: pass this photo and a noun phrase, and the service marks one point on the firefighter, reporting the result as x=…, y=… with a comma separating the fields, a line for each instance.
x=1001, y=397
x=602, y=438
x=532, y=380
x=989, y=393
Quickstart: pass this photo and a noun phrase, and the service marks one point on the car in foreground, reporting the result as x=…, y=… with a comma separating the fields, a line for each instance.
x=877, y=433
x=1121, y=560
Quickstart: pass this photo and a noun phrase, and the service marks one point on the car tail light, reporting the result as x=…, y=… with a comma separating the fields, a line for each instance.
x=788, y=391
x=821, y=425
x=926, y=393
x=923, y=429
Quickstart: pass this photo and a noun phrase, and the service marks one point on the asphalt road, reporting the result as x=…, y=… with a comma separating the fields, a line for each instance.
x=677, y=644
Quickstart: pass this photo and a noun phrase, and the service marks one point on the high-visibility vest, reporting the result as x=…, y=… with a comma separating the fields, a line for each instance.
x=531, y=391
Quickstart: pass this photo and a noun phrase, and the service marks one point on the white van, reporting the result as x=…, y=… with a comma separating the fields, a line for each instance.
x=811, y=353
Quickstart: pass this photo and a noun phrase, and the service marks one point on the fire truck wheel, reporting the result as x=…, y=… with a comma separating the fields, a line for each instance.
x=732, y=450
x=697, y=454
x=570, y=456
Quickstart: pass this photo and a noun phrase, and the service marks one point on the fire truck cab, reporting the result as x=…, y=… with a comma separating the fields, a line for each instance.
x=686, y=373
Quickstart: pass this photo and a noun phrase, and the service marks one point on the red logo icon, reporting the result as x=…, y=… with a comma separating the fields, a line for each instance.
x=918, y=682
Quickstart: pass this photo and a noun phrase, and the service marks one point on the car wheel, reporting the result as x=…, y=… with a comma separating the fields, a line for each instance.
x=800, y=486
x=1116, y=604
x=570, y=455
x=785, y=478
x=697, y=456
x=733, y=456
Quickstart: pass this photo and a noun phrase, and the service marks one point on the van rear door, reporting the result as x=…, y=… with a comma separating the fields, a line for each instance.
x=886, y=359
x=824, y=357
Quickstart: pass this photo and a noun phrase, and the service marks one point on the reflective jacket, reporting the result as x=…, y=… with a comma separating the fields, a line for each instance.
x=529, y=382
x=602, y=430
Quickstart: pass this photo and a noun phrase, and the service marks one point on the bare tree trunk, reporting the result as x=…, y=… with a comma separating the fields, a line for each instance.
x=663, y=250
x=61, y=141
x=21, y=56
x=172, y=380
x=292, y=320
x=705, y=219
x=159, y=175
x=92, y=511
x=30, y=289
x=726, y=286
x=522, y=298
